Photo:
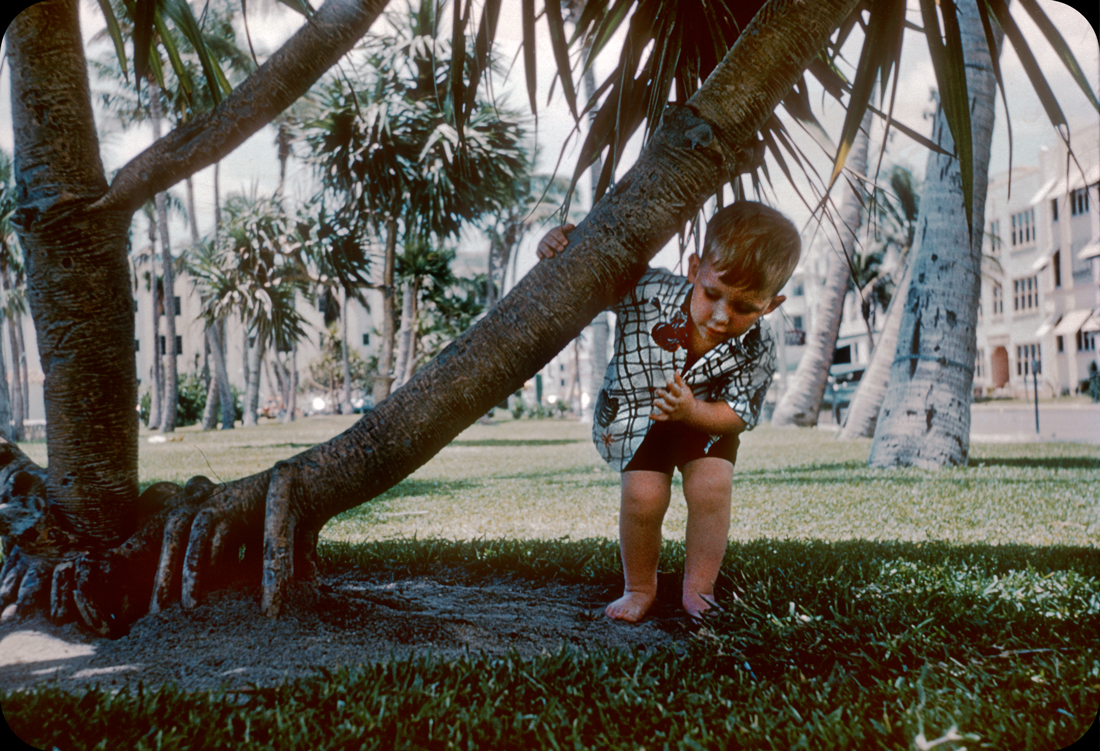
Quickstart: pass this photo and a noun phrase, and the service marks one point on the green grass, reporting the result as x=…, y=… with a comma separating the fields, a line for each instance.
x=875, y=606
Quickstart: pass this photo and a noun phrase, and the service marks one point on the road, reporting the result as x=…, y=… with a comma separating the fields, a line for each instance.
x=991, y=422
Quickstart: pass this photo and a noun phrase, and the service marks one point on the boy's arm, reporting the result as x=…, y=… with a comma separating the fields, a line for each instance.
x=676, y=403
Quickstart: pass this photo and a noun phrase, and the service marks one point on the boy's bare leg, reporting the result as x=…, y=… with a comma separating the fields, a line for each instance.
x=645, y=497
x=708, y=483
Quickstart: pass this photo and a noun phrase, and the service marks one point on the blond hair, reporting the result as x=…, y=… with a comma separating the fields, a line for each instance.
x=752, y=246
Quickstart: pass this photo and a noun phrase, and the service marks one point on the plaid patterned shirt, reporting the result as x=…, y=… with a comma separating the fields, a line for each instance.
x=651, y=336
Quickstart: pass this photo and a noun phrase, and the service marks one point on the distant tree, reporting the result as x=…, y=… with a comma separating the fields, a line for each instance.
x=389, y=148
x=256, y=273
x=800, y=404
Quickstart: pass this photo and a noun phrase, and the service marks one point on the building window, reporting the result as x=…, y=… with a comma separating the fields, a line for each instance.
x=1025, y=293
x=995, y=241
x=1086, y=341
x=1056, y=265
x=1054, y=209
x=366, y=339
x=799, y=290
x=1061, y=343
x=979, y=371
x=137, y=345
x=1023, y=228
x=176, y=304
x=998, y=307
x=179, y=345
x=1079, y=201
x=1025, y=353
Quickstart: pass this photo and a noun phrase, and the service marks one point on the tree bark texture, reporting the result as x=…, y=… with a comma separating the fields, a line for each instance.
x=801, y=403
x=78, y=279
x=189, y=535
x=925, y=416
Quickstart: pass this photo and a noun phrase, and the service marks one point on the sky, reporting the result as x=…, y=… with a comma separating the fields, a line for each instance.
x=254, y=166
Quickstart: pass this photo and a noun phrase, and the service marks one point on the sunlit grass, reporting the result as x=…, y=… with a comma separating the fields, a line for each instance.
x=543, y=479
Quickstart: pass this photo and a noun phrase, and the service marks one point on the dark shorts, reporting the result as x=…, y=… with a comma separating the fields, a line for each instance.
x=670, y=445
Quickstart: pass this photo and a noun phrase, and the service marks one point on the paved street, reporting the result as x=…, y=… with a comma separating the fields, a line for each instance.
x=991, y=422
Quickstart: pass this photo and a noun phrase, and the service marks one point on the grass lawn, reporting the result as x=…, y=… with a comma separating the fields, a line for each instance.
x=879, y=609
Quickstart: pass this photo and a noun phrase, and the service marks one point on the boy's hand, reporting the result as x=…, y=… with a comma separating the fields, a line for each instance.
x=674, y=402
x=554, y=242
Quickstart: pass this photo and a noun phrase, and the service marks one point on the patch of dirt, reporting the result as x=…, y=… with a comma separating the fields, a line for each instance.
x=227, y=642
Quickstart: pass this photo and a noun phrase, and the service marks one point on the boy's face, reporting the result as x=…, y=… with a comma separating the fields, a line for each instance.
x=719, y=311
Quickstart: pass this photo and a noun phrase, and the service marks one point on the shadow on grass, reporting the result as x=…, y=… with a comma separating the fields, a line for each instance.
x=1064, y=462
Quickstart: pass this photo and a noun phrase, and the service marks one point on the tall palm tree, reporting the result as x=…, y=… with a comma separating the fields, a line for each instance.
x=925, y=415
x=801, y=403
x=73, y=225
x=898, y=213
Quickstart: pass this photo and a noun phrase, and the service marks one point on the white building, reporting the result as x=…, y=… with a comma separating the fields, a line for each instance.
x=1041, y=275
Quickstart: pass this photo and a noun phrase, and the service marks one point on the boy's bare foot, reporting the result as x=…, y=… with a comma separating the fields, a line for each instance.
x=631, y=607
x=696, y=603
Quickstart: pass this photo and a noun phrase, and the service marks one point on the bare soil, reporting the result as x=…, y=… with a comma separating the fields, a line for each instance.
x=226, y=642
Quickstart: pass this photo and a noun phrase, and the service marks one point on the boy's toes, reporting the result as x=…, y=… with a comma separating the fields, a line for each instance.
x=696, y=605
x=631, y=607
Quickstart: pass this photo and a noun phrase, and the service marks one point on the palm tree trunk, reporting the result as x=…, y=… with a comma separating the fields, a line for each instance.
x=345, y=356
x=384, y=377
x=801, y=403
x=925, y=416
x=254, y=356
x=77, y=277
x=859, y=422
x=23, y=368
x=17, y=410
x=156, y=401
x=5, y=401
x=294, y=383
x=404, y=335
x=171, y=377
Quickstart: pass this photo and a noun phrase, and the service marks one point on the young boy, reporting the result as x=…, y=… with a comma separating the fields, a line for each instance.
x=691, y=366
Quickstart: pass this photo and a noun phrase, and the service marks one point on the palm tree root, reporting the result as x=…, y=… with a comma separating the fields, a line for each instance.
x=187, y=541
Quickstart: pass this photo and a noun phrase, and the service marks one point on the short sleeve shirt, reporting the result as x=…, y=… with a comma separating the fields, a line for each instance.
x=651, y=336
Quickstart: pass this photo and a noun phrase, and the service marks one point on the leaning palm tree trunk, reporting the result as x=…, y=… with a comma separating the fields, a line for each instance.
x=171, y=377
x=925, y=416
x=863, y=411
x=801, y=403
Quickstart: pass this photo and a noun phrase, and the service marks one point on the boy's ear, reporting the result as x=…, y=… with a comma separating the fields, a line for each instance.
x=779, y=300
x=693, y=267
